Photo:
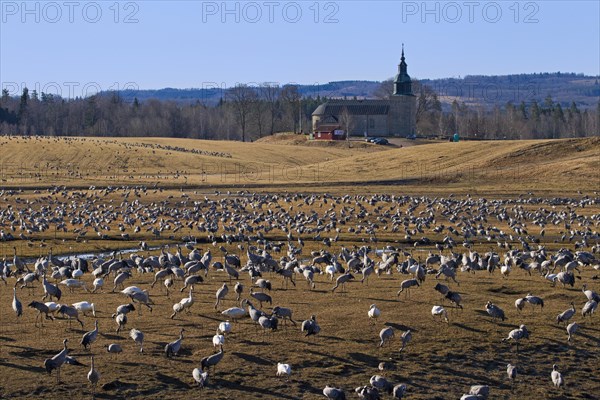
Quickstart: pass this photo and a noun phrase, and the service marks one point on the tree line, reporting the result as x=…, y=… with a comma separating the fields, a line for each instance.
x=251, y=112
x=526, y=120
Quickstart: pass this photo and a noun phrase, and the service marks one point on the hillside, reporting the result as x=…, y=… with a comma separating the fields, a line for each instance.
x=41, y=161
x=471, y=89
x=485, y=166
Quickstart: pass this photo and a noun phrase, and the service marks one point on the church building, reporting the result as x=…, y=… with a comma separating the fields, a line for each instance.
x=392, y=117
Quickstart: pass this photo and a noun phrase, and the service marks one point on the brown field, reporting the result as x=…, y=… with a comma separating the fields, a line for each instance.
x=441, y=362
x=497, y=168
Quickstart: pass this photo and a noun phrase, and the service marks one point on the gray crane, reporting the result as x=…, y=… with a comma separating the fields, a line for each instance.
x=380, y=383
x=520, y=303
x=137, y=337
x=124, y=309
x=590, y=294
x=517, y=335
x=190, y=281
x=334, y=393
x=366, y=272
x=221, y=293
x=398, y=391
x=407, y=284
x=119, y=279
x=163, y=273
x=172, y=348
x=589, y=308
x=288, y=275
x=284, y=313
x=386, y=334
x=494, y=311
x=571, y=329
x=481, y=391
x=253, y=312
x=406, y=338
x=93, y=376
x=268, y=323
x=238, y=289
x=56, y=362
x=231, y=272
x=200, y=377
x=511, y=371
x=341, y=280
x=455, y=298
x=367, y=393
x=50, y=290
x=42, y=309
x=212, y=360
x=534, y=300
x=114, y=348
x=26, y=279
x=121, y=320
x=310, y=326
x=263, y=284
x=16, y=304
x=70, y=312
x=566, y=315
x=261, y=297
x=90, y=337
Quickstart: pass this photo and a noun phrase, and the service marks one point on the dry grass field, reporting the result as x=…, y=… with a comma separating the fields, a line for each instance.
x=488, y=167
x=441, y=362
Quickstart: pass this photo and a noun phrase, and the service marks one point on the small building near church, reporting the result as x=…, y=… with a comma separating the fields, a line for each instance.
x=329, y=132
x=395, y=116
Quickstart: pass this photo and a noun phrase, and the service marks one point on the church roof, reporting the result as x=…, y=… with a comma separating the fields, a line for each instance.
x=353, y=107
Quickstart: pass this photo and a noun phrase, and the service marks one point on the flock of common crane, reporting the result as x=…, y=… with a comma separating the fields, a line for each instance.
x=251, y=239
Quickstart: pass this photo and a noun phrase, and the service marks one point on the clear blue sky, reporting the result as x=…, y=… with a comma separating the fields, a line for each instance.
x=185, y=44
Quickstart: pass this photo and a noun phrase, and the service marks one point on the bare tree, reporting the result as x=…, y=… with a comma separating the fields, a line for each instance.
x=270, y=94
x=260, y=115
x=385, y=89
x=242, y=98
x=347, y=121
x=291, y=97
x=427, y=100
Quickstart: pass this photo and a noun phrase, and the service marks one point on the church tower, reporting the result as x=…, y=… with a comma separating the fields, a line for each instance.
x=402, y=82
x=403, y=103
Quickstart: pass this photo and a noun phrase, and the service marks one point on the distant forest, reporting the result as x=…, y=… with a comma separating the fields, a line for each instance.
x=503, y=107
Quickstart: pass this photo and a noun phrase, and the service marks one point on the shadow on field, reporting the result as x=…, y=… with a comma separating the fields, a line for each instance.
x=328, y=357
x=27, y=352
x=252, y=389
x=382, y=300
x=27, y=368
x=108, y=396
x=111, y=336
x=400, y=327
x=169, y=380
x=589, y=337
x=7, y=339
x=118, y=385
x=213, y=317
x=254, y=343
x=504, y=290
x=366, y=359
x=467, y=328
x=253, y=359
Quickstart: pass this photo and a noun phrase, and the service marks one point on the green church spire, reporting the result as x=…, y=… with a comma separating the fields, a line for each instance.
x=402, y=82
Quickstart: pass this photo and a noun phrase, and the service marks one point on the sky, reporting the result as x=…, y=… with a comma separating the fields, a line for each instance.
x=76, y=47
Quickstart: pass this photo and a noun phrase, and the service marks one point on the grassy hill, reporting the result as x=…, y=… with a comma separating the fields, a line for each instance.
x=487, y=166
x=286, y=162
